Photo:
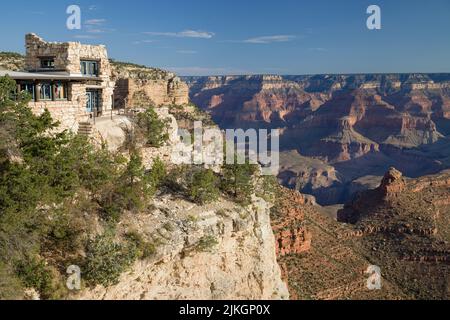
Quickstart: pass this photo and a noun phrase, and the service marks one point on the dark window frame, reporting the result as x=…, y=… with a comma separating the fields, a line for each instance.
x=90, y=68
x=47, y=62
x=26, y=86
x=65, y=86
x=42, y=96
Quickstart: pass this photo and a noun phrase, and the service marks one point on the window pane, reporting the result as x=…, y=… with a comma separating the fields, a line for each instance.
x=89, y=68
x=28, y=87
x=60, y=91
x=46, y=91
x=47, y=63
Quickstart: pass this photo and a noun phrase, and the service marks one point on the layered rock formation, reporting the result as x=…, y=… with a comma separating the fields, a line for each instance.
x=402, y=227
x=360, y=125
x=288, y=219
x=140, y=86
x=249, y=101
x=405, y=227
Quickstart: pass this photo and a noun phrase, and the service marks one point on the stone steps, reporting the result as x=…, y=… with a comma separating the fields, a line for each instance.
x=85, y=128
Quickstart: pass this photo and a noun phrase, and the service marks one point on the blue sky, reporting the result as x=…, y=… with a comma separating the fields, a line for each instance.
x=208, y=37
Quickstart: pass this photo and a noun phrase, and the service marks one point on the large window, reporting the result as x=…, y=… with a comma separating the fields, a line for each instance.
x=89, y=68
x=28, y=87
x=47, y=63
x=46, y=91
x=60, y=91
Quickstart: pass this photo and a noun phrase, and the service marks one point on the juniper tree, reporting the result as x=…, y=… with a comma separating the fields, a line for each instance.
x=134, y=184
x=237, y=180
x=154, y=129
x=203, y=188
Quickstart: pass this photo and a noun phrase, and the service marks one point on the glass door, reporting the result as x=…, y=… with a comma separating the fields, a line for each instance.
x=92, y=101
x=89, y=107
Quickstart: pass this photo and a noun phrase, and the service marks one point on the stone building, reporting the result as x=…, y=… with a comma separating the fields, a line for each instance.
x=71, y=80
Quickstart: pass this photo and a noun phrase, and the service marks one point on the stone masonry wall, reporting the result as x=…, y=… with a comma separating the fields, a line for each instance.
x=68, y=56
x=68, y=112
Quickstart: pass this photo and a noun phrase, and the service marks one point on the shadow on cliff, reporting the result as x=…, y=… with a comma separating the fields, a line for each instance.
x=231, y=99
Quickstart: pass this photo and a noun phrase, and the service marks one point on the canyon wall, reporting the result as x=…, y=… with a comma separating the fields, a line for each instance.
x=342, y=127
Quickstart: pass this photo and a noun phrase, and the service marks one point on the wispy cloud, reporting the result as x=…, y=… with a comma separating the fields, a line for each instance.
x=319, y=49
x=270, y=39
x=97, y=26
x=143, y=41
x=95, y=22
x=95, y=30
x=184, y=34
x=84, y=36
x=187, y=51
x=38, y=13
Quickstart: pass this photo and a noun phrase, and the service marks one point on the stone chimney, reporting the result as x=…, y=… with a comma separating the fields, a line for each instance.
x=32, y=44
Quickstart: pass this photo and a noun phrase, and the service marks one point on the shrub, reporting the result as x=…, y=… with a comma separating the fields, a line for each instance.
x=157, y=174
x=206, y=244
x=34, y=273
x=203, y=188
x=268, y=188
x=106, y=260
x=134, y=188
x=143, y=248
x=68, y=227
x=111, y=207
x=10, y=285
x=177, y=179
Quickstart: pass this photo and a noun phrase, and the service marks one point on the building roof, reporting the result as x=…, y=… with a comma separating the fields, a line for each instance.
x=23, y=75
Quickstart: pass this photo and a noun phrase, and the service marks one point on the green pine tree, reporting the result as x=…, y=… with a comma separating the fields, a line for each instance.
x=237, y=181
x=203, y=188
x=134, y=184
x=154, y=129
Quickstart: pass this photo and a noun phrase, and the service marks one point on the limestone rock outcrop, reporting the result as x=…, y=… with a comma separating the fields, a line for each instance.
x=11, y=61
x=219, y=251
x=140, y=86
